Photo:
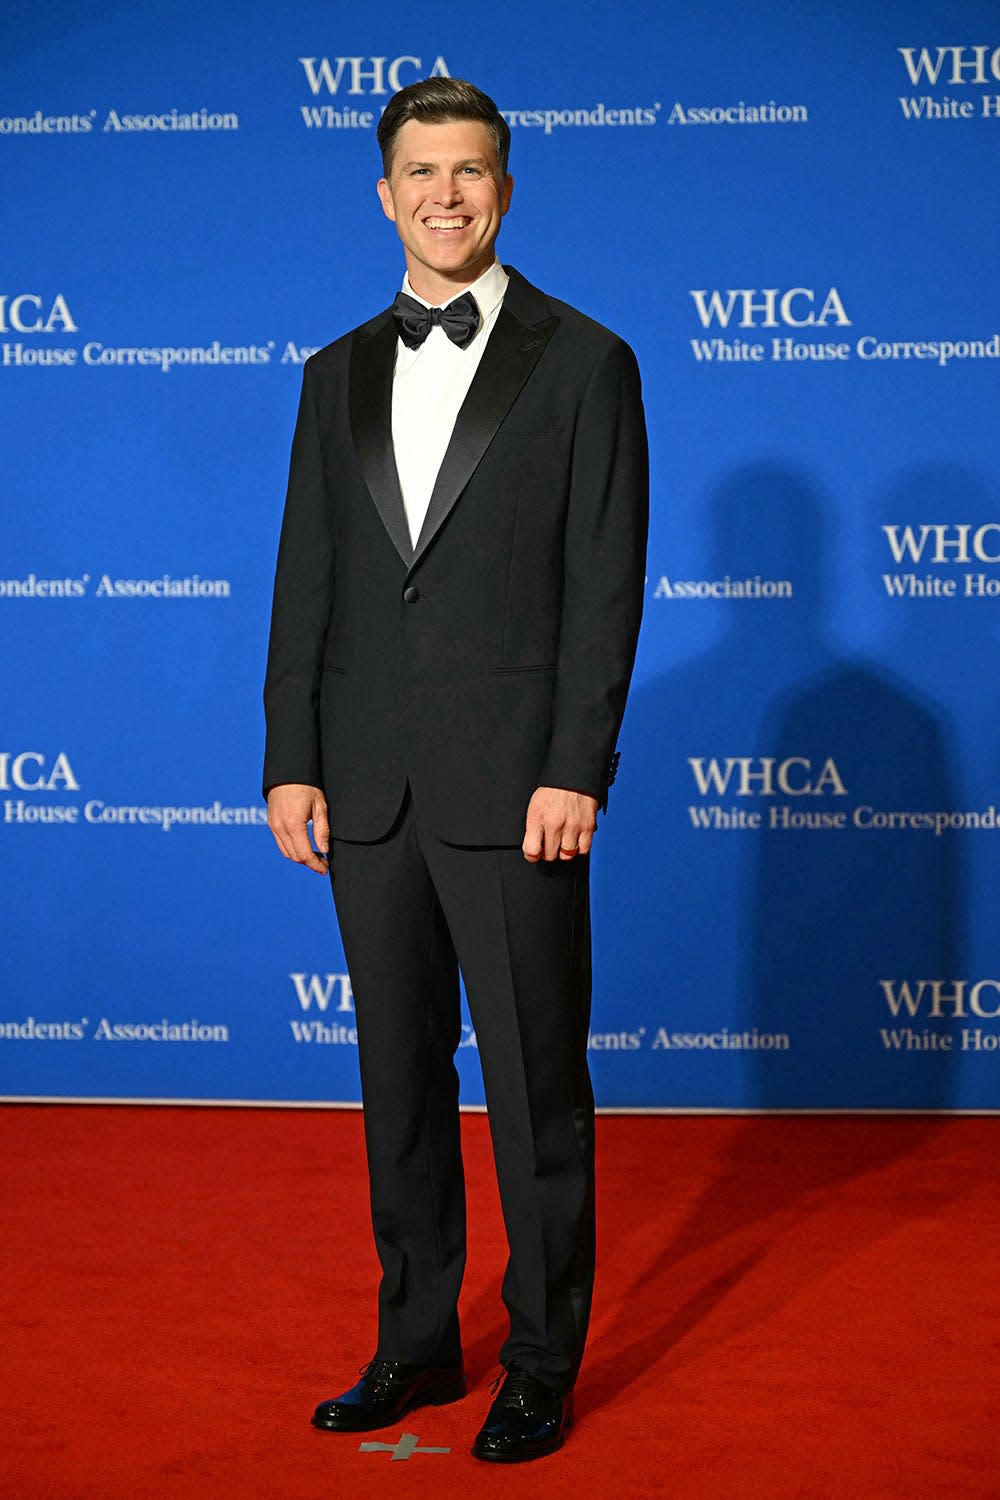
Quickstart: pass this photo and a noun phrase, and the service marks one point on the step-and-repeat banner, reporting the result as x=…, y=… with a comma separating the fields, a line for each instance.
x=790, y=213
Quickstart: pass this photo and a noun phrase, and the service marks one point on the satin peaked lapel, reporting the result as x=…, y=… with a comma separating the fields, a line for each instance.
x=373, y=357
x=509, y=358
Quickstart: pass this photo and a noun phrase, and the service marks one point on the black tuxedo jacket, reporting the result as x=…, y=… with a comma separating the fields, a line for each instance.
x=495, y=656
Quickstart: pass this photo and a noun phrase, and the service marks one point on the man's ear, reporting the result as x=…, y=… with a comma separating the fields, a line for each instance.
x=506, y=192
x=385, y=198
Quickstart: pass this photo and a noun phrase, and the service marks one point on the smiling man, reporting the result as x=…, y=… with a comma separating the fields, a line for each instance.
x=456, y=607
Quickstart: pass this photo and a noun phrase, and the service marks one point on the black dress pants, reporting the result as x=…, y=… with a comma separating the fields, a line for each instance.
x=412, y=909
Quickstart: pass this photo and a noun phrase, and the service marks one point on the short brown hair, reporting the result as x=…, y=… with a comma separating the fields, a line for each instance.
x=436, y=101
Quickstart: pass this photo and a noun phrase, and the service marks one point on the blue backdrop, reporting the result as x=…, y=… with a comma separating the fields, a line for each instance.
x=791, y=216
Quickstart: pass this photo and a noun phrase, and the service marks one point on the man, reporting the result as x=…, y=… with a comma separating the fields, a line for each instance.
x=457, y=600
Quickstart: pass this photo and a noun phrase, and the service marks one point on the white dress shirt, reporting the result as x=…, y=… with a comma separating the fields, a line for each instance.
x=428, y=388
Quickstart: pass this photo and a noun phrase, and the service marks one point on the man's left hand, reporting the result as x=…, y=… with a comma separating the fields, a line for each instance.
x=559, y=825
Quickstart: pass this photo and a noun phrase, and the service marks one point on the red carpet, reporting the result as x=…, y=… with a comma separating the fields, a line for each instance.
x=791, y=1307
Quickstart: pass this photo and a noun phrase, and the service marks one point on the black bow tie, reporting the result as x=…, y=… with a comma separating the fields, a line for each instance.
x=414, y=321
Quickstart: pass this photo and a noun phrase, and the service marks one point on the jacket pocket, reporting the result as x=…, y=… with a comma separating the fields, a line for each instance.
x=548, y=666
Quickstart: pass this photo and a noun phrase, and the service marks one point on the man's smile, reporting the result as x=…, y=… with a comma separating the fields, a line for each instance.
x=447, y=224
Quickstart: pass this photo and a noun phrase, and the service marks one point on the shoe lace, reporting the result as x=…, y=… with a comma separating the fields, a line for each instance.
x=377, y=1372
x=518, y=1386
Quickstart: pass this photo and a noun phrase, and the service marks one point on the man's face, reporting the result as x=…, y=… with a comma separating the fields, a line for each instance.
x=446, y=198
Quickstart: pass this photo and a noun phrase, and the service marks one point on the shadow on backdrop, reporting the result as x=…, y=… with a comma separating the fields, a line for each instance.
x=785, y=929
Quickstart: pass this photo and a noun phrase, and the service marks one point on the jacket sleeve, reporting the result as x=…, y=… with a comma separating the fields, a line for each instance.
x=300, y=610
x=605, y=559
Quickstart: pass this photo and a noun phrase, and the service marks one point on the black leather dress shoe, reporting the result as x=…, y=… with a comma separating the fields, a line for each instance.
x=527, y=1420
x=385, y=1391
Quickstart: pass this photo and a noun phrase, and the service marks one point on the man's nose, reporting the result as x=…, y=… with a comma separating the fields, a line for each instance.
x=451, y=193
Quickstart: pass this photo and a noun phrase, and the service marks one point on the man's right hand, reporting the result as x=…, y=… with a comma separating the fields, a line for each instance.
x=291, y=807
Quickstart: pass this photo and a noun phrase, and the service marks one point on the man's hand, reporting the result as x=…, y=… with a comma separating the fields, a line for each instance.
x=560, y=824
x=291, y=807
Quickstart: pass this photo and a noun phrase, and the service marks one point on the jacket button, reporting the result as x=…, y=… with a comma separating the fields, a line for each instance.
x=411, y=595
